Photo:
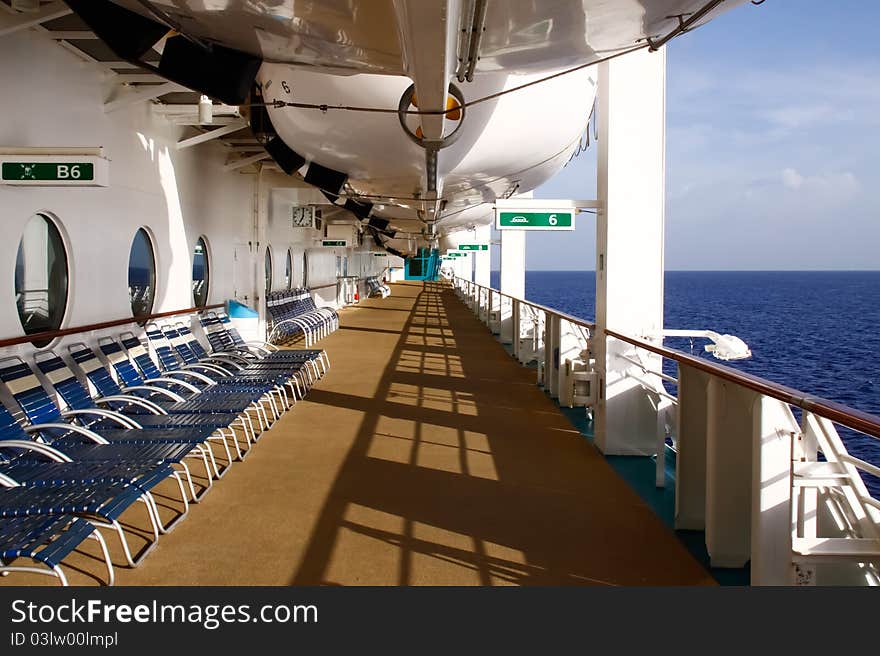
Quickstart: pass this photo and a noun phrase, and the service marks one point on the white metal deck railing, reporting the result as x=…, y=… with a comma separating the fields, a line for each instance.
x=808, y=499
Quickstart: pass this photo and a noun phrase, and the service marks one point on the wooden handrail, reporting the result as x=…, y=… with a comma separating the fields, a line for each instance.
x=562, y=315
x=863, y=422
x=49, y=335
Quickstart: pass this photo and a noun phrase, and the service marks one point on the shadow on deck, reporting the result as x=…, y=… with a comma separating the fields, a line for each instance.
x=425, y=456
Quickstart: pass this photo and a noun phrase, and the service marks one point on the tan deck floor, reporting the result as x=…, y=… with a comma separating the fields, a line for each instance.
x=425, y=456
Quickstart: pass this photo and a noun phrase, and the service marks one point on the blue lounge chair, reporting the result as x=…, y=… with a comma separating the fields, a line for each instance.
x=26, y=462
x=223, y=337
x=102, y=504
x=196, y=429
x=292, y=312
x=304, y=366
x=147, y=413
x=191, y=352
x=126, y=443
x=273, y=389
x=134, y=366
x=257, y=395
x=46, y=540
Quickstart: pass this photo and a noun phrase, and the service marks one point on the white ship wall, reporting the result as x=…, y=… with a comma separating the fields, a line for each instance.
x=53, y=99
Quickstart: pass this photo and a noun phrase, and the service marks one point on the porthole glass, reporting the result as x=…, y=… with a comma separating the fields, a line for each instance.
x=268, y=264
x=201, y=273
x=141, y=274
x=288, y=271
x=41, y=277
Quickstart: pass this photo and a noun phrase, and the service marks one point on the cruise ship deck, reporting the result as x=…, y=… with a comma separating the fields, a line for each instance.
x=425, y=456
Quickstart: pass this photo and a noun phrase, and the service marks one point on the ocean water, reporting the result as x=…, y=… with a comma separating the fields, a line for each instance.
x=816, y=331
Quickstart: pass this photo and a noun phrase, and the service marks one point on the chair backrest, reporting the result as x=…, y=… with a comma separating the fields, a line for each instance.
x=123, y=367
x=167, y=358
x=191, y=340
x=231, y=330
x=94, y=369
x=140, y=355
x=25, y=387
x=179, y=345
x=64, y=381
x=214, y=331
x=10, y=429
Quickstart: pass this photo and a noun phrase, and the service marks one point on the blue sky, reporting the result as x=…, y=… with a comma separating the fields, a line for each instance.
x=773, y=145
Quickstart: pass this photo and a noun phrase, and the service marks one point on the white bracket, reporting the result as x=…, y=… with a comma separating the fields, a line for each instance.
x=213, y=134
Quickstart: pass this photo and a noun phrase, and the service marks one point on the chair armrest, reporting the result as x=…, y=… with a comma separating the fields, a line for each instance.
x=192, y=374
x=207, y=367
x=173, y=381
x=80, y=430
x=133, y=400
x=43, y=449
x=219, y=361
x=118, y=417
x=161, y=391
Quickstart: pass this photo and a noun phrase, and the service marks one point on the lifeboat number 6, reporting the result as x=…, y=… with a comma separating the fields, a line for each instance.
x=552, y=220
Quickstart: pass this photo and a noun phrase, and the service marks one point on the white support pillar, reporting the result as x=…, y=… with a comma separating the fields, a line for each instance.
x=513, y=263
x=629, y=241
x=483, y=259
x=463, y=267
x=513, y=279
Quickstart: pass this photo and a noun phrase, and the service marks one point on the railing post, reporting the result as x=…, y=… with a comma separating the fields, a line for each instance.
x=540, y=350
x=690, y=443
x=491, y=300
x=551, y=355
x=771, y=549
x=730, y=427
x=513, y=328
x=568, y=347
x=663, y=406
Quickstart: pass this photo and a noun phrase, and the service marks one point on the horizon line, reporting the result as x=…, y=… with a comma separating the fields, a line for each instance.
x=715, y=270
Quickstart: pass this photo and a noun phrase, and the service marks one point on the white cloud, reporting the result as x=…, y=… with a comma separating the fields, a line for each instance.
x=792, y=179
x=832, y=185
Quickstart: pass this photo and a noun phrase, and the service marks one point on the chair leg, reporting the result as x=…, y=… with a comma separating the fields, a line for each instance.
x=6, y=570
x=189, y=480
x=223, y=439
x=111, y=573
x=114, y=525
x=199, y=452
x=170, y=527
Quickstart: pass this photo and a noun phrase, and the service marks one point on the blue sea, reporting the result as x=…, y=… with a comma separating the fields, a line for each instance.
x=816, y=331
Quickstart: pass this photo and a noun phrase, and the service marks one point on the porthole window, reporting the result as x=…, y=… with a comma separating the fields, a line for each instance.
x=201, y=273
x=288, y=271
x=141, y=274
x=41, y=277
x=268, y=264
